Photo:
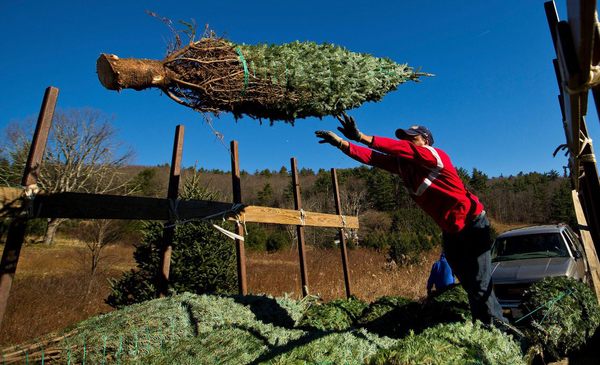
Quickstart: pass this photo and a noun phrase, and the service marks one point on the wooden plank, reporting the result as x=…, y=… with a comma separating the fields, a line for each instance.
x=552, y=17
x=588, y=245
x=300, y=228
x=573, y=100
x=10, y=201
x=581, y=15
x=40, y=137
x=10, y=259
x=96, y=206
x=169, y=229
x=344, y=251
x=590, y=186
x=561, y=96
x=259, y=214
x=239, y=228
x=16, y=230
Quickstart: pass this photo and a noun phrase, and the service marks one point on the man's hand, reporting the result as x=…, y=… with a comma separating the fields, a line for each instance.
x=348, y=127
x=329, y=137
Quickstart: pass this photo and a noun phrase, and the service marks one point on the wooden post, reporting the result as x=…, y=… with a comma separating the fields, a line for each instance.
x=239, y=228
x=588, y=245
x=40, y=137
x=344, y=251
x=300, y=229
x=16, y=231
x=172, y=195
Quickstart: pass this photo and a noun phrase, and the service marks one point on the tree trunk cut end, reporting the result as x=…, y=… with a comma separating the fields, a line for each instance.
x=130, y=73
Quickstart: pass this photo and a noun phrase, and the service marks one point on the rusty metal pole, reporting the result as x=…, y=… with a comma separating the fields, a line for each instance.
x=300, y=229
x=239, y=228
x=172, y=195
x=344, y=251
x=16, y=231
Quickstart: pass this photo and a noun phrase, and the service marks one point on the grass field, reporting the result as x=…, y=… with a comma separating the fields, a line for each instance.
x=53, y=287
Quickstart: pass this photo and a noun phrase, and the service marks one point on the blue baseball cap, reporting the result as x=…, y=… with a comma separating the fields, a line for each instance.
x=415, y=130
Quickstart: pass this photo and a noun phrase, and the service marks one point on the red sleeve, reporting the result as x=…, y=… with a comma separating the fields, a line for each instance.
x=406, y=150
x=373, y=158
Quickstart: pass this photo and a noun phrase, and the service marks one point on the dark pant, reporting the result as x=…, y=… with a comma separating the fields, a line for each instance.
x=469, y=256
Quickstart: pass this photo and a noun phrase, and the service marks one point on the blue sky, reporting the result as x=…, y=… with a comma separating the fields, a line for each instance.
x=492, y=104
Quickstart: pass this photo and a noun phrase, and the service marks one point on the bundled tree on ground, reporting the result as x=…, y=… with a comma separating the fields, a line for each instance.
x=275, y=82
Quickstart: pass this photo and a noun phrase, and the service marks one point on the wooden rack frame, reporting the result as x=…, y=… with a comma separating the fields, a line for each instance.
x=21, y=205
x=577, y=45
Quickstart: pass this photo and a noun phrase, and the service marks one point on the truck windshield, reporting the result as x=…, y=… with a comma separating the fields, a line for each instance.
x=529, y=247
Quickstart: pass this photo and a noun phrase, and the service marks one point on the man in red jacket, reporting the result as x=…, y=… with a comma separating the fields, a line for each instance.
x=435, y=186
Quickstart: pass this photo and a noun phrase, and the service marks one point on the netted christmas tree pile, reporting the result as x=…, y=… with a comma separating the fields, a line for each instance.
x=452, y=343
x=275, y=82
x=398, y=316
x=208, y=329
x=339, y=314
x=563, y=314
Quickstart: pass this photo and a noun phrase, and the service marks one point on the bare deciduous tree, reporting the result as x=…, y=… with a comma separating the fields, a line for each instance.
x=82, y=155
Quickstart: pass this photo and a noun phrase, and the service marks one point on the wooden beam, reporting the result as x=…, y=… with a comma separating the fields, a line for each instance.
x=16, y=230
x=300, y=228
x=11, y=201
x=258, y=214
x=588, y=245
x=574, y=100
x=10, y=259
x=239, y=228
x=344, y=251
x=169, y=229
x=552, y=18
x=97, y=206
x=40, y=137
x=581, y=15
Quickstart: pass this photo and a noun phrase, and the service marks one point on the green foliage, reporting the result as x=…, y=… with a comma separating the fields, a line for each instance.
x=265, y=196
x=408, y=248
x=568, y=315
x=376, y=318
x=533, y=198
x=202, y=260
x=327, y=79
x=398, y=316
x=478, y=181
x=339, y=314
x=561, y=205
x=464, y=175
x=450, y=305
x=208, y=329
x=456, y=343
x=146, y=183
x=133, y=287
x=384, y=190
x=410, y=234
x=256, y=237
x=277, y=240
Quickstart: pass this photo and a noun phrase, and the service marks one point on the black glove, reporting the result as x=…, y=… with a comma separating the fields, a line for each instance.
x=348, y=127
x=329, y=137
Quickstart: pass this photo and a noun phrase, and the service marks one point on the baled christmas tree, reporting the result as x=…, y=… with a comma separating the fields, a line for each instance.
x=276, y=82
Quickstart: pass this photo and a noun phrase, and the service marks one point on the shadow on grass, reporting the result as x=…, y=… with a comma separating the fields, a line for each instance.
x=448, y=306
x=266, y=310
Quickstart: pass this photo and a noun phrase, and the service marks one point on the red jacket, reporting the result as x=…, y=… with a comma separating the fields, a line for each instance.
x=429, y=176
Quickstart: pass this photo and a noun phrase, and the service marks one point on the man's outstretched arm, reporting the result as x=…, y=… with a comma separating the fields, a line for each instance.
x=350, y=130
x=403, y=149
x=360, y=154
